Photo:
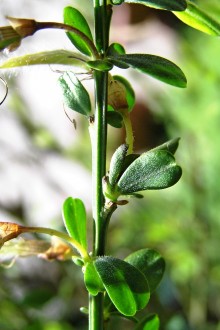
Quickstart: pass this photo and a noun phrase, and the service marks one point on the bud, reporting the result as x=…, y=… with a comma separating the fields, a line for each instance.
x=23, y=27
x=117, y=95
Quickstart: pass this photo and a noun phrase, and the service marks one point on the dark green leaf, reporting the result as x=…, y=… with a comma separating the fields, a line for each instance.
x=152, y=170
x=92, y=280
x=75, y=19
x=150, y=263
x=114, y=119
x=161, y=4
x=170, y=146
x=116, y=164
x=130, y=95
x=74, y=218
x=115, y=49
x=198, y=19
x=75, y=95
x=100, y=65
x=126, y=285
x=155, y=66
x=149, y=322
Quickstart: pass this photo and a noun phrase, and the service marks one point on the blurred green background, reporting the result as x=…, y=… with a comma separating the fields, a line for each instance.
x=183, y=222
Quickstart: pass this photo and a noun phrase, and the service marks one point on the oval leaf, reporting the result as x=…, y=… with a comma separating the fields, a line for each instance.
x=130, y=95
x=126, y=285
x=198, y=19
x=115, y=49
x=74, y=218
x=75, y=95
x=155, y=66
x=150, y=263
x=114, y=118
x=58, y=56
x=75, y=19
x=92, y=280
x=152, y=170
x=149, y=322
x=100, y=65
x=162, y=4
x=116, y=163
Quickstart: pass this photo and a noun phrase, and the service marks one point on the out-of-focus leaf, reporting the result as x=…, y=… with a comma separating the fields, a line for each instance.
x=149, y=322
x=126, y=286
x=198, y=19
x=74, y=217
x=160, y=4
x=115, y=49
x=75, y=95
x=59, y=56
x=150, y=263
x=74, y=18
x=155, y=66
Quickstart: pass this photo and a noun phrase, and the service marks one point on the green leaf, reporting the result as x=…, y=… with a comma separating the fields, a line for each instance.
x=161, y=4
x=170, y=146
x=150, y=263
x=152, y=170
x=126, y=285
x=75, y=95
x=58, y=56
x=92, y=280
x=198, y=19
x=75, y=19
x=155, y=66
x=74, y=218
x=115, y=49
x=149, y=322
x=114, y=119
x=116, y=163
x=130, y=95
x=100, y=65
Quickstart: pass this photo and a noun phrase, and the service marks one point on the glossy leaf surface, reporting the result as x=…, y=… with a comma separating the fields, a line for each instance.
x=126, y=285
x=92, y=280
x=155, y=66
x=130, y=95
x=149, y=322
x=115, y=49
x=198, y=19
x=152, y=170
x=59, y=56
x=100, y=65
x=150, y=263
x=161, y=4
x=74, y=18
x=75, y=95
x=74, y=218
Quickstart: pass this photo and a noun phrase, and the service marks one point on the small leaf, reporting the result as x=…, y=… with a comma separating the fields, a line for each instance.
x=116, y=164
x=75, y=95
x=74, y=218
x=150, y=263
x=100, y=65
x=155, y=66
x=92, y=280
x=152, y=170
x=161, y=4
x=114, y=119
x=130, y=95
x=149, y=322
x=170, y=146
x=115, y=49
x=126, y=285
x=58, y=56
x=198, y=19
x=74, y=18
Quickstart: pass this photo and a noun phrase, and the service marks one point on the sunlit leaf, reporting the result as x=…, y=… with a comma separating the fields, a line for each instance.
x=150, y=263
x=151, y=170
x=92, y=280
x=149, y=322
x=59, y=56
x=198, y=19
x=115, y=49
x=155, y=66
x=161, y=4
x=126, y=285
x=75, y=95
x=74, y=217
x=74, y=18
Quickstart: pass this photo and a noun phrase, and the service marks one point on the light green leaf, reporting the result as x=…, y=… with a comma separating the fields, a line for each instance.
x=74, y=218
x=149, y=322
x=155, y=66
x=198, y=19
x=130, y=95
x=58, y=56
x=74, y=18
x=92, y=280
x=152, y=170
x=100, y=65
x=161, y=4
x=150, y=263
x=115, y=49
x=126, y=285
x=75, y=95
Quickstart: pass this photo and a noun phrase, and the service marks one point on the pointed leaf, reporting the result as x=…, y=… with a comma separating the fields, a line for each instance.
x=130, y=95
x=92, y=280
x=75, y=95
x=198, y=19
x=58, y=56
x=155, y=66
x=152, y=170
x=74, y=218
x=149, y=322
x=74, y=18
x=150, y=263
x=170, y=146
x=126, y=285
x=161, y=4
